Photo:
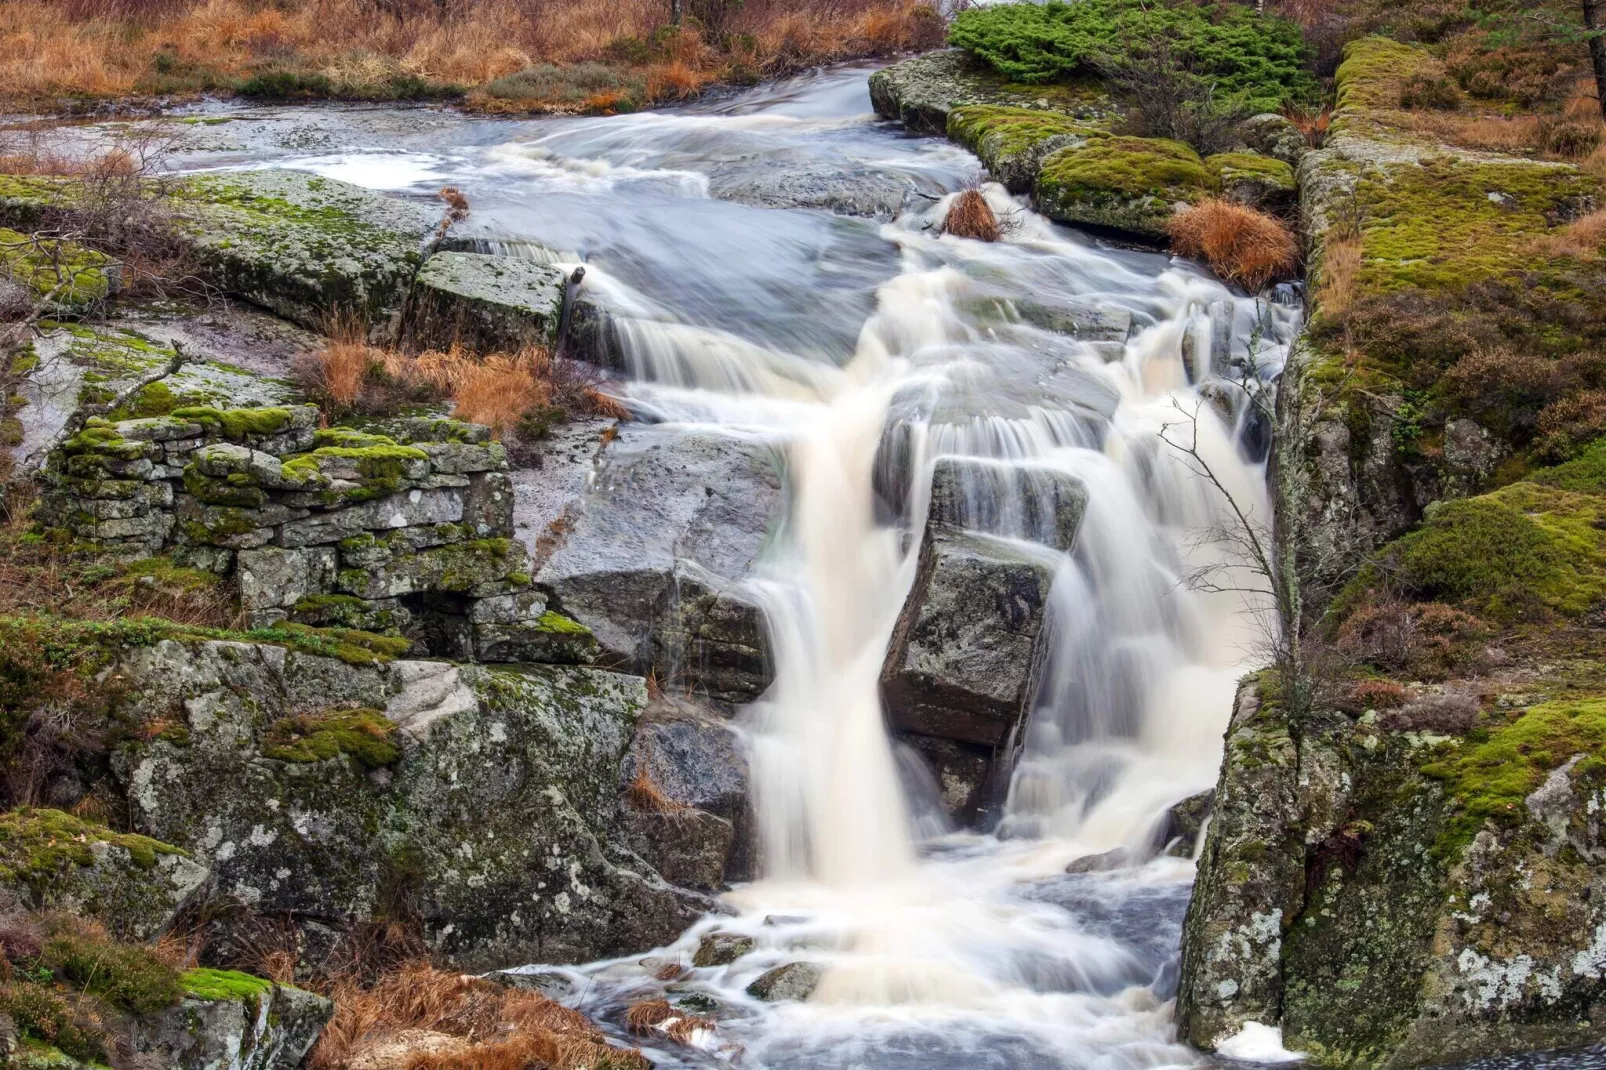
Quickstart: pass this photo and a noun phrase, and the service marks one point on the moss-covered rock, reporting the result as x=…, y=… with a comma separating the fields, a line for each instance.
x=1128, y=184
x=63, y=277
x=1012, y=141
x=233, y=1021
x=920, y=92
x=1257, y=181
x=133, y=885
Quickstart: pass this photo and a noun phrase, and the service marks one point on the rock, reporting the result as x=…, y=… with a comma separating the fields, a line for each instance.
x=1260, y=182
x=271, y=578
x=653, y=555
x=133, y=885
x=696, y=760
x=62, y=277
x=963, y=775
x=921, y=91
x=1276, y=136
x=485, y=303
x=686, y=847
x=550, y=983
x=1115, y=858
x=964, y=657
x=1471, y=456
x=496, y=790
x=786, y=178
x=1086, y=320
x=1012, y=142
x=1178, y=832
x=795, y=980
x=1022, y=501
x=721, y=949
x=520, y=627
x=1127, y=184
x=233, y=1021
x=302, y=245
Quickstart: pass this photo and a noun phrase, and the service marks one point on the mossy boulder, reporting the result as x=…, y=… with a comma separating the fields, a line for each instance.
x=485, y=303
x=921, y=91
x=135, y=886
x=315, y=787
x=1396, y=899
x=1128, y=184
x=233, y=1021
x=1012, y=141
x=305, y=246
x=1256, y=181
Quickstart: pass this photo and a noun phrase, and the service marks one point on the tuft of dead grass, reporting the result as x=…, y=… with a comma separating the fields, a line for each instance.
x=1583, y=239
x=970, y=216
x=644, y=794
x=1239, y=243
x=1341, y=264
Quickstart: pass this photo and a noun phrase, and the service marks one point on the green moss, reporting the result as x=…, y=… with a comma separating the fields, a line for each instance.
x=347, y=644
x=242, y=492
x=36, y=845
x=363, y=733
x=127, y=976
x=1490, y=773
x=557, y=624
x=65, y=274
x=216, y=985
x=994, y=131
x=1582, y=475
x=237, y=423
x=1374, y=69
x=1128, y=166
x=348, y=437
x=381, y=464
x=1232, y=167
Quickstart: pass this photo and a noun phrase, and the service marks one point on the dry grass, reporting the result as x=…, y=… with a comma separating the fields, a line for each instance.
x=108, y=48
x=656, y=1017
x=644, y=794
x=1341, y=263
x=1584, y=239
x=500, y=1028
x=1239, y=243
x=348, y=375
x=971, y=217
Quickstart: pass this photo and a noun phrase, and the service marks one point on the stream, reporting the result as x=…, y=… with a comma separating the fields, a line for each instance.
x=831, y=336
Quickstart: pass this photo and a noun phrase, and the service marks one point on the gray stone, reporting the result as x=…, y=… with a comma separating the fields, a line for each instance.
x=1178, y=832
x=786, y=178
x=488, y=504
x=485, y=303
x=407, y=509
x=921, y=91
x=1085, y=320
x=721, y=949
x=501, y=799
x=795, y=980
x=460, y=458
x=301, y=244
x=1276, y=136
x=687, y=847
x=272, y=1030
x=1115, y=858
x=1266, y=184
x=651, y=558
x=272, y=578
x=964, y=657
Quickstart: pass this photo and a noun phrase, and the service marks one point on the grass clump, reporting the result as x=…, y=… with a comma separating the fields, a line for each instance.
x=592, y=86
x=1258, y=62
x=364, y=734
x=1239, y=243
x=129, y=977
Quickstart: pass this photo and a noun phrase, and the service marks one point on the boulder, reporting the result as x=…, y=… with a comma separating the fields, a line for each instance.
x=1399, y=899
x=311, y=786
x=653, y=555
x=1128, y=184
x=785, y=178
x=964, y=656
x=687, y=847
x=1276, y=136
x=795, y=980
x=485, y=303
x=1022, y=501
x=921, y=91
x=303, y=245
x=233, y=1021
x=1178, y=832
x=133, y=885
x=1261, y=182
x=721, y=949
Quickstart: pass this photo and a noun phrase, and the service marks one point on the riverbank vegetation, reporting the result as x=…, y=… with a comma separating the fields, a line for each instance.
x=501, y=55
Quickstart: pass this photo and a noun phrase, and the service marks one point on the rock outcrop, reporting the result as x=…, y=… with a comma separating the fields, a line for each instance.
x=233, y=1021
x=922, y=91
x=315, y=789
x=485, y=303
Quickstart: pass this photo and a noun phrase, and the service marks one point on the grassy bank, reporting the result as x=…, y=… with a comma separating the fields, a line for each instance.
x=498, y=55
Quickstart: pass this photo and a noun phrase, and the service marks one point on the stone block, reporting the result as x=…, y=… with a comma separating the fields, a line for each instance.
x=276, y=578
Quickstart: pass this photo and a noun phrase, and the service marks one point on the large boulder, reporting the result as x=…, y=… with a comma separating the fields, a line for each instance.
x=233, y=1021
x=485, y=303
x=921, y=91
x=1402, y=899
x=305, y=246
x=315, y=788
x=1023, y=501
x=1128, y=184
x=652, y=557
x=133, y=885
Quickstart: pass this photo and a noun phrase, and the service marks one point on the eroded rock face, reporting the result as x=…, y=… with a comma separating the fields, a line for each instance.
x=653, y=554
x=494, y=800
x=1345, y=897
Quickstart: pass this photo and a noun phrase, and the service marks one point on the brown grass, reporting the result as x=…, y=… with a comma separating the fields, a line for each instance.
x=1341, y=263
x=108, y=48
x=644, y=794
x=1239, y=243
x=502, y=1029
x=1584, y=239
x=970, y=216
x=656, y=1016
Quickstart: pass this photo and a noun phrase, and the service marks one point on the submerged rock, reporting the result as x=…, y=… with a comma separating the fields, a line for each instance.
x=721, y=949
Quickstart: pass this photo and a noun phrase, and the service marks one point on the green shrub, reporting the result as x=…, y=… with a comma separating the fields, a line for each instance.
x=1257, y=62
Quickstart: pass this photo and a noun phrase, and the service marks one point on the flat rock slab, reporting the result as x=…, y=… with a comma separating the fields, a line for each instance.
x=485, y=303
x=795, y=179
x=306, y=246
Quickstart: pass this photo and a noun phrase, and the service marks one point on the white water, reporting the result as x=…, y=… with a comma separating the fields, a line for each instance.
x=836, y=338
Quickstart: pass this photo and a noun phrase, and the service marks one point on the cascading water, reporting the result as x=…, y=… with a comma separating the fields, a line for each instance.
x=866, y=352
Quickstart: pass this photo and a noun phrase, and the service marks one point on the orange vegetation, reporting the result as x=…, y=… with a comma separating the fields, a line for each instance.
x=1239, y=243
x=971, y=217
x=403, y=48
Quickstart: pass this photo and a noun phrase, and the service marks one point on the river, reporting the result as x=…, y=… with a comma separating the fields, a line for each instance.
x=942, y=950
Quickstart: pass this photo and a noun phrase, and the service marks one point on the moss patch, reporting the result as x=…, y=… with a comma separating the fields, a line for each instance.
x=62, y=274
x=237, y=423
x=217, y=985
x=36, y=844
x=364, y=734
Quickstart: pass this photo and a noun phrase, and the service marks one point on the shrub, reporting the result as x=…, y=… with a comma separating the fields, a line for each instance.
x=1429, y=93
x=129, y=977
x=576, y=85
x=971, y=217
x=1450, y=714
x=1258, y=61
x=1239, y=243
x=1378, y=694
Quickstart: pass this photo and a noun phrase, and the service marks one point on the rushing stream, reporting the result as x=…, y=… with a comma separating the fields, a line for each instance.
x=819, y=332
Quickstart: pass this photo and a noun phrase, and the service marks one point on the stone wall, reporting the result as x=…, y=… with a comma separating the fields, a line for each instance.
x=407, y=533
